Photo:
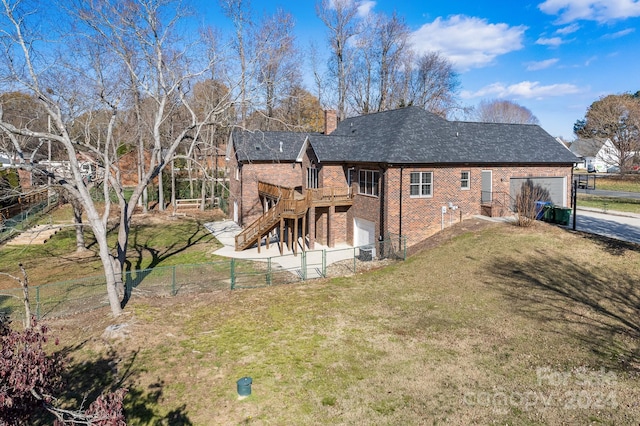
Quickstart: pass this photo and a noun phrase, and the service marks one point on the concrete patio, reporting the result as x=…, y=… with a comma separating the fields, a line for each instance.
x=225, y=231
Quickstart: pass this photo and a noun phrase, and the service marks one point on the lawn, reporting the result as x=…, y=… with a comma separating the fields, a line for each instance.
x=151, y=243
x=625, y=183
x=628, y=205
x=499, y=325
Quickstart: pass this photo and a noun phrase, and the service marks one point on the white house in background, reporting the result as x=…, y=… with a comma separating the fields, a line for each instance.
x=595, y=154
x=5, y=161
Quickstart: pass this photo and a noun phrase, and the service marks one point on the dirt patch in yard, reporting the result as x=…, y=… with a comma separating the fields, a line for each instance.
x=470, y=225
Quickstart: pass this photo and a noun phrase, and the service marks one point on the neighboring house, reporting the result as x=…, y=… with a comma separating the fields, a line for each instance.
x=5, y=160
x=595, y=155
x=401, y=172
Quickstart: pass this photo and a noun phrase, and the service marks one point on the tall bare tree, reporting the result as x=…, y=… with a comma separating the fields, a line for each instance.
x=239, y=12
x=278, y=61
x=91, y=68
x=617, y=118
x=503, y=111
x=392, y=35
x=379, y=54
x=434, y=84
x=339, y=16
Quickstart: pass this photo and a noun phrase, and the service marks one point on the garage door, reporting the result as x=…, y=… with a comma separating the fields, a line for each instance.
x=555, y=185
x=365, y=232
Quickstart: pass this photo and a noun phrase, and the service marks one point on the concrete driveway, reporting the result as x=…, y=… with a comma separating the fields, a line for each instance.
x=618, y=225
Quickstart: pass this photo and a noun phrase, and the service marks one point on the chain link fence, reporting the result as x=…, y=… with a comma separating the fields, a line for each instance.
x=85, y=294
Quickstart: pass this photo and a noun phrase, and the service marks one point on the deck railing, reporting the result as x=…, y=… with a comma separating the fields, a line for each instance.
x=289, y=207
x=276, y=191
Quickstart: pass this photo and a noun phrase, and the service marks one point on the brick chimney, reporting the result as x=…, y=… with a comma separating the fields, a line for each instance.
x=330, y=121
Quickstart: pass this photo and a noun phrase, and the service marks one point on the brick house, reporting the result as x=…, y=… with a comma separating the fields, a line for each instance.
x=401, y=172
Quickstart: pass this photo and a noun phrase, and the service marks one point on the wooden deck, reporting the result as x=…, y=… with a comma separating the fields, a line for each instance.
x=291, y=205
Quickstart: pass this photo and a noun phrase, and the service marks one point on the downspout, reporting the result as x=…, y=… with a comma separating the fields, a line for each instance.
x=383, y=197
x=400, y=212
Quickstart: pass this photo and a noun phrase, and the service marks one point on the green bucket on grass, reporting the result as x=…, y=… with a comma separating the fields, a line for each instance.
x=244, y=386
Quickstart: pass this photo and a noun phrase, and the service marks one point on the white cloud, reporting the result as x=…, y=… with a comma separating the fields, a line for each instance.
x=468, y=42
x=552, y=41
x=588, y=61
x=591, y=10
x=365, y=8
x=540, y=65
x=619, y=33
x=524, y=89
x=569, y=29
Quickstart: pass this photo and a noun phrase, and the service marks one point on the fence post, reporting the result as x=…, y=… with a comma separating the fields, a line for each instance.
x=232, y=272
x=324, y=263
x=303, y=261
x=354, y=260
x=404, y=252
x=38, y=303
x=269, y=271
x=173, y=281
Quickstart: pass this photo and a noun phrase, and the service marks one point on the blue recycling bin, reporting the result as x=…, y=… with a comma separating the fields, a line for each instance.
x=540, y=208
x=244, y=386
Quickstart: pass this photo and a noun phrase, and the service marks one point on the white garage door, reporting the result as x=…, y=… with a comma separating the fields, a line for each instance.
x=364, y=232
x=555, y=185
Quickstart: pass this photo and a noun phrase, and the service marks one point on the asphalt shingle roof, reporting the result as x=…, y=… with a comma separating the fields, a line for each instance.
x=268, y=146
x=586, y=147
x=414, y=136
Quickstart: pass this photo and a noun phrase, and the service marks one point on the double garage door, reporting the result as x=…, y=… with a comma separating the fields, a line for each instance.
x=557, y=187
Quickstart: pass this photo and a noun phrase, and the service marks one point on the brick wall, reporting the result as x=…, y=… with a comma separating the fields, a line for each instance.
x=422, y=217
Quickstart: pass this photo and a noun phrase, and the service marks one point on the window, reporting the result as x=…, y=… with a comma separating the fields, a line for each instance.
x=369, y=182
x=464, y=179
x=421, y=184
x=312, y=178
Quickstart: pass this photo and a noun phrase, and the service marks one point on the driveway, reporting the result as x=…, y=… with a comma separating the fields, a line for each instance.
x=621, y=226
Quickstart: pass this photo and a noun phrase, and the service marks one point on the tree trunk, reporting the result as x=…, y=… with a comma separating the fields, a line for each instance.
x=25, y=290
x=77, y=217
x=109, y=273
x=160, y=186
x=203, y=193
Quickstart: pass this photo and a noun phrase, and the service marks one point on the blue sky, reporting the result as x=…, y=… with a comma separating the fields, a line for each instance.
x=554, y=57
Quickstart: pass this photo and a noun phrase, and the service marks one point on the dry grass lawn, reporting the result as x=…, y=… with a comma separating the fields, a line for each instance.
x=499, y=325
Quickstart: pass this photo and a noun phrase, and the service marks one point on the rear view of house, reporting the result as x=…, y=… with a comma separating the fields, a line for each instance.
x=401, y=172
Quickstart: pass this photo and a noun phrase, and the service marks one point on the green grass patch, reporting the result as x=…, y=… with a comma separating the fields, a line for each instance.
x=609, y=203
x=152, y=243
x=445, y=336
x=629, y=183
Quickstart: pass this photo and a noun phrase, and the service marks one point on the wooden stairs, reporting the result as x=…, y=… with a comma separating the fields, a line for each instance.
x=289, y=206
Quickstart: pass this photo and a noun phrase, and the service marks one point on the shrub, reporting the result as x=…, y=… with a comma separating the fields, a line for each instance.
x=525, y=203
x=29, y=379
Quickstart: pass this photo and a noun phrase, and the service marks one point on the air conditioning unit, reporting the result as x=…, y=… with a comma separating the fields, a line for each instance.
x=367, y=253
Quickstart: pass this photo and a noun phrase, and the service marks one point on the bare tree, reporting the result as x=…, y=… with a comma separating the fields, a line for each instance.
x=503, y=111
x=340, y=18
x=239, y=11
x=379, y=54
x=95, y=71
x=526, y=203
x=434, y=84
x=617, y=118
x=392, y=35
x=22, y=109
x=277, y=60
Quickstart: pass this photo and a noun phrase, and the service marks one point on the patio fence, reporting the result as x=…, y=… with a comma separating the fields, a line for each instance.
x=85, y=294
